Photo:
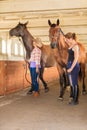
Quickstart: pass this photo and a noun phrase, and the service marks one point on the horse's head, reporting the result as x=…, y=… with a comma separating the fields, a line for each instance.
x=21, y=31
x=18, y=30
x=54, y=33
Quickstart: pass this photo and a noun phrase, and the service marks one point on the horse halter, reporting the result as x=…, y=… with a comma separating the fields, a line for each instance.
x=55, y=44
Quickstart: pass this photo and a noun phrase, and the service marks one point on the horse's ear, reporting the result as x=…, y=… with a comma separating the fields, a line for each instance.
x=49, y=22
x=26, y=23
x=19, y=22
x=58, y=22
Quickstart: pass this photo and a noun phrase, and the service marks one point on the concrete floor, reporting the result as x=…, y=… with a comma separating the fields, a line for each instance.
x=20, y=111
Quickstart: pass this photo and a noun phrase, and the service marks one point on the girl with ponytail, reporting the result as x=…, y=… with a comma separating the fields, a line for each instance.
x=73, y=65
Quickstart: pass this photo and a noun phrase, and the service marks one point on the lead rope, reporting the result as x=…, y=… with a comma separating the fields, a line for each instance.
x=25, y=65
x=62, y=32
x=26, y=73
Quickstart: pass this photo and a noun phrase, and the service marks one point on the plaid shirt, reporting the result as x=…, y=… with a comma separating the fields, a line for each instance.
x=35, y=56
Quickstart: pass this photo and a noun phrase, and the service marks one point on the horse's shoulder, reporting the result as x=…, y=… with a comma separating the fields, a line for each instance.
x=46, y=47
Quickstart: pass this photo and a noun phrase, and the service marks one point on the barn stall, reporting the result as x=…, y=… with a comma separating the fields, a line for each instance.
x=73, y=18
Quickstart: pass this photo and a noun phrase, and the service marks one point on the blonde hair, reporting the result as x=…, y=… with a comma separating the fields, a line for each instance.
x=71, y=35
x=38, y=42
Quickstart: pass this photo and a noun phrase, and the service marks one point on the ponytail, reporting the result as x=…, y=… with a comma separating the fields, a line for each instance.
x=74, y=36
x=71, y=35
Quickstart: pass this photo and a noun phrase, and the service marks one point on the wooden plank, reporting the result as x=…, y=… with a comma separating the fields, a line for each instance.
x=29, y=5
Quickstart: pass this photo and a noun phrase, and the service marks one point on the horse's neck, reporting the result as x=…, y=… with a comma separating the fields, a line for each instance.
x=62, y=45
x=63, y=51
x=28, y=43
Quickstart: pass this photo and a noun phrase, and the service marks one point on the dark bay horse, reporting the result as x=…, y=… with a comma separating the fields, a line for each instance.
x=56, y=36
x=48, y=54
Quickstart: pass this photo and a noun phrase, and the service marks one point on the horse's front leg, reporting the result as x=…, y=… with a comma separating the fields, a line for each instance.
x=41, y=78
x=63, y=85
x=67, y=83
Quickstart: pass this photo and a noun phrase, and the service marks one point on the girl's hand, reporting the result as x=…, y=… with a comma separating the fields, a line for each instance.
x=69, y=70
x=37, y=70
x=28, y=61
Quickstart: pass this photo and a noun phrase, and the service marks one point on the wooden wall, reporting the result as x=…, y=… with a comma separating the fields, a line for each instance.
x=12, y=76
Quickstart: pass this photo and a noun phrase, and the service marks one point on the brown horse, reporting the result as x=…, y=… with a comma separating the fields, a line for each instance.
x=48, y=54
x=56, y=36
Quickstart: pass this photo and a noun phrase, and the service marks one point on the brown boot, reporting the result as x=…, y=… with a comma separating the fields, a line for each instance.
x=36, y=94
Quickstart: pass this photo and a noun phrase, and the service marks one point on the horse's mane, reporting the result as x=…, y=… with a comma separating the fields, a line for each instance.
x=62, y=44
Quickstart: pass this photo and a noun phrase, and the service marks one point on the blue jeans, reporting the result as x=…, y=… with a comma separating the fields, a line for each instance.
x=34, y=79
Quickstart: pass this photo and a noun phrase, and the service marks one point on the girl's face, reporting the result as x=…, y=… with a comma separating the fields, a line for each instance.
x=34, y=44
x=68, y=41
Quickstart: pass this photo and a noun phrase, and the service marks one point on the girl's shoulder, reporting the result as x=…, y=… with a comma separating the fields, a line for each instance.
x=75, y=47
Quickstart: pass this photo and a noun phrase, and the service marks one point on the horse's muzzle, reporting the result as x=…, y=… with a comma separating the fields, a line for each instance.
x=10, y=33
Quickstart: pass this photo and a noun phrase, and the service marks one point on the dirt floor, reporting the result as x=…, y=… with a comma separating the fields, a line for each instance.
x=20, y=111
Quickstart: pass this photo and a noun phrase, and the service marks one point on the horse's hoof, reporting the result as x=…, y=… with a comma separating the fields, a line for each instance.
x=60, y=98
x=46, y=90
x=84, y=92
x=70, y=100
x=30, y=91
